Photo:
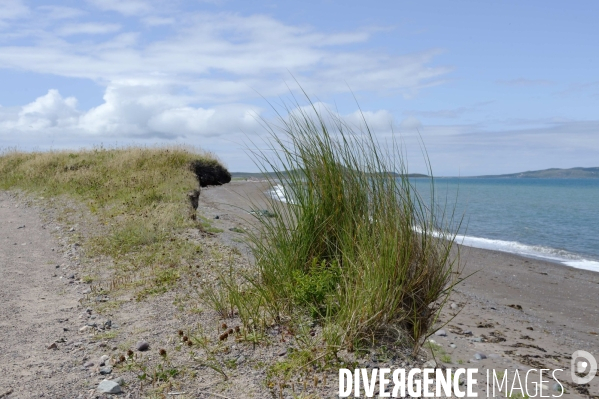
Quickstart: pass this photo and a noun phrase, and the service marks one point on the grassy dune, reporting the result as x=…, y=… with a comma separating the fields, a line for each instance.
x=138, y=196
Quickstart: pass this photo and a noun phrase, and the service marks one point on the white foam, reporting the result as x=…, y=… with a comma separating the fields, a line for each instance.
x=584, y=264
x=532, y=251
x=278, y=192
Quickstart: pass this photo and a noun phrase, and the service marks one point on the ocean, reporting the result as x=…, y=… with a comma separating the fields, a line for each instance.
x=551, y=219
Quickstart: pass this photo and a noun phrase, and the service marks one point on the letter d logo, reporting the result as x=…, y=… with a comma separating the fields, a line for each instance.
x=583, y=362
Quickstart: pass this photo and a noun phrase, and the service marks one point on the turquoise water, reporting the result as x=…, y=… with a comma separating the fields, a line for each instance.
x=553, y=219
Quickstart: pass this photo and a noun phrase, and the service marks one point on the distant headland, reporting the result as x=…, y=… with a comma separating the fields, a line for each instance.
x=553, y=173
x=260, y=175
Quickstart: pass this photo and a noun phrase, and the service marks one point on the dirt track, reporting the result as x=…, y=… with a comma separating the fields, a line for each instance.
x=38, y=307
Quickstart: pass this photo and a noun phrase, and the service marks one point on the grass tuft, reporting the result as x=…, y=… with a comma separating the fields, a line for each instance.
x=355, y=247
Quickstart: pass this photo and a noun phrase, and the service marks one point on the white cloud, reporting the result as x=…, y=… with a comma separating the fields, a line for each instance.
x=50, y=110
x=12, y=9
x=130, y=113
x=411, y=123
x=226, y=57
x=89, y=28
x=125, y=7
x=157, y=21
x=59, y=12
x=223, y=120
x=197, y=79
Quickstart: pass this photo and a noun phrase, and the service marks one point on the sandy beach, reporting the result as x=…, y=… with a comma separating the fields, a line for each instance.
x=511, y=313
x=521, y=313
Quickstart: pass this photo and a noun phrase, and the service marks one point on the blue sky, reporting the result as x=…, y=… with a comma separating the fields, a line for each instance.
x=489, y=87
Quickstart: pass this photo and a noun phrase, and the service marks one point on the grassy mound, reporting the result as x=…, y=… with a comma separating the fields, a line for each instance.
x=138, y=194
x=356, y=251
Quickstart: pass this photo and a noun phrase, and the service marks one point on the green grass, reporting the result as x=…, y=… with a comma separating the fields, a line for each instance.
x=358, y=250
x=138, y=196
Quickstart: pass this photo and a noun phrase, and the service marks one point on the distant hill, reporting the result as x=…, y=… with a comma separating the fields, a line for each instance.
x=259, y=175
x=553, y=173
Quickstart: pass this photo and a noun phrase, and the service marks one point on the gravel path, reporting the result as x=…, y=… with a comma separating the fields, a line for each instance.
x=38, y=307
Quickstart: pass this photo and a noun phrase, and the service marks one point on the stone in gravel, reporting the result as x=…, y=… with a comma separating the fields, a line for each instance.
x=479, y=356
x=240, y=359
x=83, y=329
x=71, y=276
x=430, y=364
x=283, y=352
x=454, y=306
x=106, y=370
x=494, y=356
x=107, y=324
x=477, y=339
x=452, y=346
x=107, y=386
x=53, y=346
x=467, y=332
x=88, y=364
x=142, y=346
x=120, y=381
x=103, y=359
x=441, y=333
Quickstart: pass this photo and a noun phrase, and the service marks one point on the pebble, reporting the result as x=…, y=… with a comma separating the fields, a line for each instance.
x=106, y=370
x=142, y=346
x=88, y=364
x=120, y=381
x=429, y=364
x=103, y=359
x=477, y=339
x=494, y=356
x=83, y=329
x=452, y=346
x=283, y=352
x=107, y=386
x=240, y=359
x=480, y=356
x=441, y=333
x=467, y=332
x=453, y=306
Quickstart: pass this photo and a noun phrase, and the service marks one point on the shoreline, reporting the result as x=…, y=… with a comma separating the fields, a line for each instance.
x=578, y=261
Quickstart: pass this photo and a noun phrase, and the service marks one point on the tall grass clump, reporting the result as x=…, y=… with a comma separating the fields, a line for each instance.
x=354, y=247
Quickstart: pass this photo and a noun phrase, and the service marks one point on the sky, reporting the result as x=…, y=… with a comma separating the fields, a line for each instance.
x=486, y=87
